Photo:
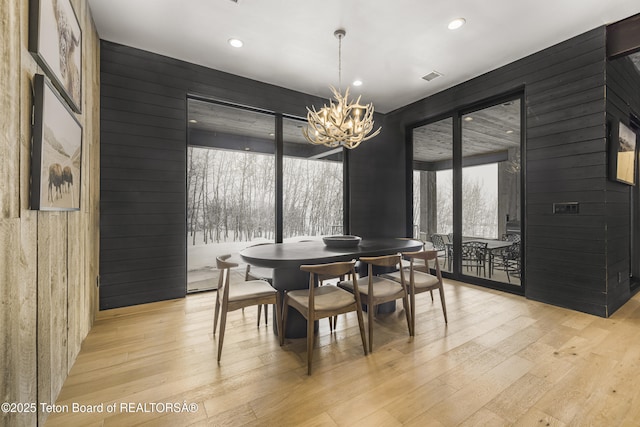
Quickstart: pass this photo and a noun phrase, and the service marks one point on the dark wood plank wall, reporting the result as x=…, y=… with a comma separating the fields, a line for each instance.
x=568, y=260
x=566, y=160
x=143, y=167
x=377, y=177
x=142, y=183
x=623, y=99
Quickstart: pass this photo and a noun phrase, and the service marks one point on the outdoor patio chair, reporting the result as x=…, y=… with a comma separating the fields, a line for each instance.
x=508, y=260
x=474, y=256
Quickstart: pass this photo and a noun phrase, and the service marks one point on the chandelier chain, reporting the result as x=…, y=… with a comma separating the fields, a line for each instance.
x=340, y=63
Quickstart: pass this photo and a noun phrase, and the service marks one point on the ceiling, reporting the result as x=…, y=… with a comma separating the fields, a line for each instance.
x=490, y=130
x=390, y=45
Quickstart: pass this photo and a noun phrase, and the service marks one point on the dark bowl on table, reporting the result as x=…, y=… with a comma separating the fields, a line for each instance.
x=341, y=241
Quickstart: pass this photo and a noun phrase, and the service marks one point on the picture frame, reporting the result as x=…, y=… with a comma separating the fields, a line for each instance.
x=55, y=41
x=623, y=154
x=56, y=157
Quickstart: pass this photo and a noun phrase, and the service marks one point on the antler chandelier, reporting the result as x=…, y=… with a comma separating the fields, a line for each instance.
x=341, y=123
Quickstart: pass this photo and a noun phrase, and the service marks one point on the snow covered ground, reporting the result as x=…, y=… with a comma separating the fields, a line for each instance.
x=201, y=259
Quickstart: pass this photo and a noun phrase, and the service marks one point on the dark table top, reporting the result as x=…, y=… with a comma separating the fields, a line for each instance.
x=295, y=254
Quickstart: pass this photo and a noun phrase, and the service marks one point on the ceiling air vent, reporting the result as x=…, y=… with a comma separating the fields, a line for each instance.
x=432, y=75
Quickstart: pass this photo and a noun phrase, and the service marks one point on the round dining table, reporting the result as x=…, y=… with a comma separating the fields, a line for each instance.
x=286, y=258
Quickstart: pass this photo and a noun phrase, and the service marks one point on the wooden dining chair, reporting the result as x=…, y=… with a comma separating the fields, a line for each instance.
x=375, y=290
x=259, y=273
x=421, y=279
x=265, y=274
x=232, y=296
x=318, y=302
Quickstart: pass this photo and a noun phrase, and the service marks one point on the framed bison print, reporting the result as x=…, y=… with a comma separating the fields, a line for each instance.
x=56, y=156
x=55, y=40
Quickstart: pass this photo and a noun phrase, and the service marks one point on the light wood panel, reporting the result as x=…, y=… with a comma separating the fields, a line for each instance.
x=502, y=360
x=49, y=261
x=10, y=126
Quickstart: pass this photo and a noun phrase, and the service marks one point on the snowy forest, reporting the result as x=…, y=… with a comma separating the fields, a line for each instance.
x=231, y=196
x=479, y=202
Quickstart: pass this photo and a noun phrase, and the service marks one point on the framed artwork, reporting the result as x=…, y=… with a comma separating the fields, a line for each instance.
x=623, y=154
x=56, y=157
x=55, y=41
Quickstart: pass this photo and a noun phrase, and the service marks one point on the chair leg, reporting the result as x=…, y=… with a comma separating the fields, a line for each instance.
x=285, y=311
x=223, y=325
x=361, y=326
x=259, y=313
x=370, y=310
x=216, y=313
x=310, y=340
x=279, y=327
x=444, y=305
x=412, y=330
x=266, y=313
x=431, y=292
x=405, y=303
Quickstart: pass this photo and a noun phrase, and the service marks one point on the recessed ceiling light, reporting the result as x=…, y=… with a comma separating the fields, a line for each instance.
x=456, y=23
x=509, y=131
x=272, y=134
x=193, y=121
x=236, y=42
x=468, y=119
x=357, y=82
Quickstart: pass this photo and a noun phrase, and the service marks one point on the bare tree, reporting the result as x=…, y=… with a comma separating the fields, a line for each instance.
x=231, y=195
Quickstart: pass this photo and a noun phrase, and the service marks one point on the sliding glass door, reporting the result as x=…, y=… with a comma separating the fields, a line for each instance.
x=491, y=182
x=467, y=191
x=433, y=186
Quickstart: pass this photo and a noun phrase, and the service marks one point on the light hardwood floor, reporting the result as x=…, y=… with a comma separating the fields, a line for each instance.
x=502, y=360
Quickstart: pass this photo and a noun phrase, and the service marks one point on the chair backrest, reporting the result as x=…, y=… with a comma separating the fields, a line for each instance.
x=438, y=242
x=223, y=278
x=247, y=273
x=222, y=263
x=319, y=272
x=331, y=270
x=473, y=249
x=425, y=256
x=511, y=237
x=513, y=251
x=382, y=261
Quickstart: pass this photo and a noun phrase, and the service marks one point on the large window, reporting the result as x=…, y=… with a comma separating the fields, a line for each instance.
x=312, y=186
x=232, y=185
